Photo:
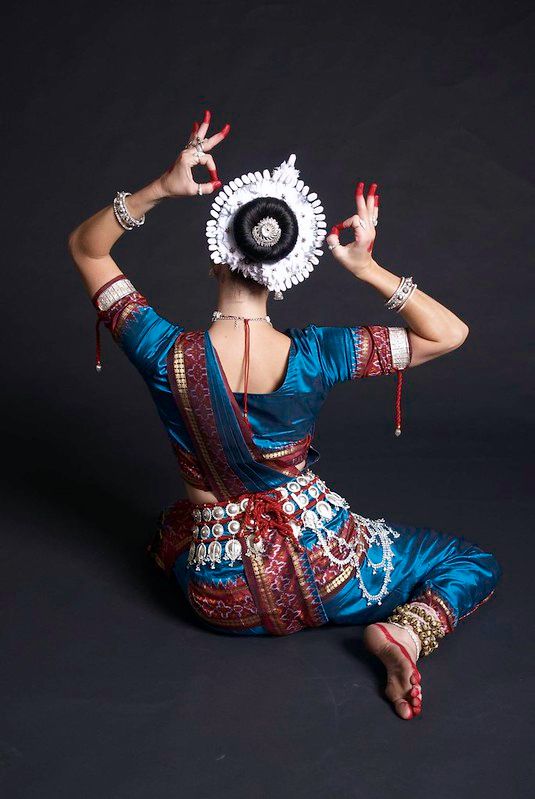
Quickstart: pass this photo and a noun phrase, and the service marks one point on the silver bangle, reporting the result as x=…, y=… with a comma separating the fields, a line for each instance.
x=401, y=295
x=122, y=214
x=407, y=298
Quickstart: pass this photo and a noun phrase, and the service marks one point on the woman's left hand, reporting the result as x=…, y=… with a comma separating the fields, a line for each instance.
x=356, y=256
x=178, y=180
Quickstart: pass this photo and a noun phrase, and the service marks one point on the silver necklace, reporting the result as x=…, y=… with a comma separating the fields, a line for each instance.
x=219, y=315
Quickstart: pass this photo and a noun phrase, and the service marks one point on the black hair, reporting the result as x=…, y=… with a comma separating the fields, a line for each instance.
x=250, y=215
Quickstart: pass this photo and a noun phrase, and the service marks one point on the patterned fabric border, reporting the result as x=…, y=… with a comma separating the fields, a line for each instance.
x=443, y=610
x=230, y=605
x=186, y=369
x=282, y=585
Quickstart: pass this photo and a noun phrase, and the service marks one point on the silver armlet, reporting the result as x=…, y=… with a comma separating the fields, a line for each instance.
x=399, y=347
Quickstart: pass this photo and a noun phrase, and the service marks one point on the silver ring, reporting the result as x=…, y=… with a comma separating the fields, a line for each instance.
x=375, y=222
x=332, y=246
x=199, y=189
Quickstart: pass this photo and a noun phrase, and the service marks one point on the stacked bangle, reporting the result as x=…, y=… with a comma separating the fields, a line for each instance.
x=404, y=292
x=423, y=622
x=122, y=214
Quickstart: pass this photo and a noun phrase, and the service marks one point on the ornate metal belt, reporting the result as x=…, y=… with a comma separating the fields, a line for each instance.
x=217, y=531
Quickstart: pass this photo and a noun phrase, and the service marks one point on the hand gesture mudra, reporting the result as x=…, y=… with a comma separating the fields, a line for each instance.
x=357, y=255
x=178, y=180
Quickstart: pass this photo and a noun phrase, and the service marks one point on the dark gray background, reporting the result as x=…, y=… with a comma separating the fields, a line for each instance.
x=110, y=688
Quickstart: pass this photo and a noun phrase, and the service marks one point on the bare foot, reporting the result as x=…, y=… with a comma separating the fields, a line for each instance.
x=397, y=651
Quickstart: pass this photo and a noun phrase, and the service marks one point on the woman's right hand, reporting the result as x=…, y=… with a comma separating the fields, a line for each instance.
x=178, y=180
x=356, y=256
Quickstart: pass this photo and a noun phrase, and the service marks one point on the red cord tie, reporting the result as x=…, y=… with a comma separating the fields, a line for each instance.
x=98, y=364
x=399, y=387
x=264, y=514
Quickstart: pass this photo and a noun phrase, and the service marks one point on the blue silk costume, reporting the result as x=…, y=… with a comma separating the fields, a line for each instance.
x=281, y=550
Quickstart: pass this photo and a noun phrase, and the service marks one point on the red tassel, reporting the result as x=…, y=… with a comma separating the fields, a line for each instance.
x=98, y=364
x=398, y=403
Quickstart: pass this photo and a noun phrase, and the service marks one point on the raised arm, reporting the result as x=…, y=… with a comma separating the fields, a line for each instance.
x=91, y=242
x=434, y=330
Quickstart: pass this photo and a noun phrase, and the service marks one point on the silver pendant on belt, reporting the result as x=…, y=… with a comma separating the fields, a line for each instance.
x=255, y=547
x=233, y=551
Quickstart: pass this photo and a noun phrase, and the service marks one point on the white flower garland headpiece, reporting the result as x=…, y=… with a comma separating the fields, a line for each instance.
x=284, y=184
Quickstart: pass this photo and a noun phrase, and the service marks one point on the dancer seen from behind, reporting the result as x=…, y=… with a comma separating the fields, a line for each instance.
x=260, y=544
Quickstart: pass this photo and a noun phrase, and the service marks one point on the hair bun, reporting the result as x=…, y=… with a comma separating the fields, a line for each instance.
x=263, y=242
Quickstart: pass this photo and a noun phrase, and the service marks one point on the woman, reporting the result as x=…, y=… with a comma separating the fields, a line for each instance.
x=261, y=545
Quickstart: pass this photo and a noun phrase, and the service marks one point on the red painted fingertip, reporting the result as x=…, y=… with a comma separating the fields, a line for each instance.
x=334, y=231
x=372, y=190
x=225, y=130
x=207, y=117
x=216, y=185
x=376, y=200
x=359, y=191
x=213, y=174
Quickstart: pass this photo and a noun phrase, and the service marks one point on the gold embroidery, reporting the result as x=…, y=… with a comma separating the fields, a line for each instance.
x=123, y=317
x=337, y=581
x=266, y=595
x=362, y=353
x=182, y=386
x=303, y=583
x=278, y=453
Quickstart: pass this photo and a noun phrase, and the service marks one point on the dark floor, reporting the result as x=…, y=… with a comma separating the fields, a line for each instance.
x=111, y=689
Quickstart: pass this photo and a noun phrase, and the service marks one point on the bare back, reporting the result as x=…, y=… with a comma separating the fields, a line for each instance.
x=269, y=354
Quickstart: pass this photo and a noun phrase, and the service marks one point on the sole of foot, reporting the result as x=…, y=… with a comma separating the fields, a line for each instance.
x=397, y=652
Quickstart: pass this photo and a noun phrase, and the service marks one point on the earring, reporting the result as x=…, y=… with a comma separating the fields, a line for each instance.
x=278, y=295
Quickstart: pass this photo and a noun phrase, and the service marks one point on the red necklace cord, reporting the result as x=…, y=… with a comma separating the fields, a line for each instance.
x=246, y=367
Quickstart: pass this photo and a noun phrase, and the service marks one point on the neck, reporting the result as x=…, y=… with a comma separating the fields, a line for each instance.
x=236, y=301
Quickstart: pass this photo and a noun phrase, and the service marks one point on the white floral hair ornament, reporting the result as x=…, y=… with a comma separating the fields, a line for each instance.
x=284, y=184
